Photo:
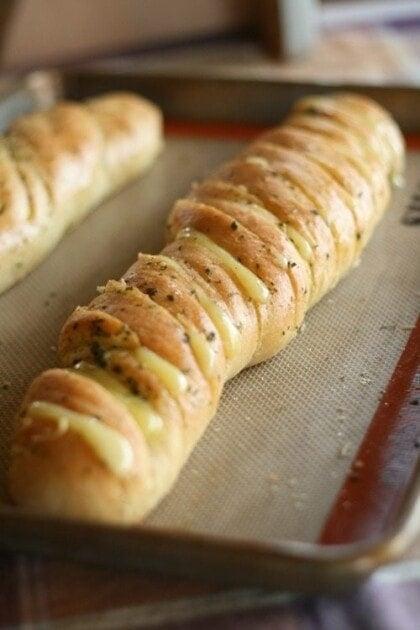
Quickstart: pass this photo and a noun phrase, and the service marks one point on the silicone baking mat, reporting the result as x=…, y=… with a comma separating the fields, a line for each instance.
x=272, y=461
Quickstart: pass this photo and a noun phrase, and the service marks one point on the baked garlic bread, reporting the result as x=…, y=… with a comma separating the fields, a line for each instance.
x=57, y=165
x=250, y=250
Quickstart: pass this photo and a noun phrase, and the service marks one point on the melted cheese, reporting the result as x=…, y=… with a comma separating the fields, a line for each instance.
x=222, y=322
x=175, y=381
x=142, y=411
x=252, y=285
x=202, y=349
x=171, y=377
x=299, y=242
x=397, y=180
x=257, y=160
x=112, y=448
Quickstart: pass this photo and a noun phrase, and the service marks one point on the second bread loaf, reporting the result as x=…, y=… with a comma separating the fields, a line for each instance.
x=56, y=165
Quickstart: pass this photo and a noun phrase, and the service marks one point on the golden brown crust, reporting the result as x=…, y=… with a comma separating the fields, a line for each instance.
x=282, y=202
x=280, y=195
x=285, y=277
x=169, y=289
x=358, y=194
x=366, y=109
x=55, y=166
x=203, y=269
x=250, y=250
x=59, y=469
x=320, y=190
x=278, y=248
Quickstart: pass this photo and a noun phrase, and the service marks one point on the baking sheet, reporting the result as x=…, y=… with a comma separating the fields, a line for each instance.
x=272, y=461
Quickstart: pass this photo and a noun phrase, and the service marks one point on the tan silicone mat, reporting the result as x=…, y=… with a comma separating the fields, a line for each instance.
x=272, y=461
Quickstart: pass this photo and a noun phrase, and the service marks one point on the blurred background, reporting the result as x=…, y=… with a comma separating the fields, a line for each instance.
x=361, y=40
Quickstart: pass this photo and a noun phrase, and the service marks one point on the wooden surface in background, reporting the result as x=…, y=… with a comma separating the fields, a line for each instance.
x=52, y=32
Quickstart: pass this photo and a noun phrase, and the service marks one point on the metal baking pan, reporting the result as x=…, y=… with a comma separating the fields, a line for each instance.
x=234, y=94
x=308, y=477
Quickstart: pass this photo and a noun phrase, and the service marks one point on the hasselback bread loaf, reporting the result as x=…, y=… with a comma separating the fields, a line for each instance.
x=249, y=250
x=56, y=165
